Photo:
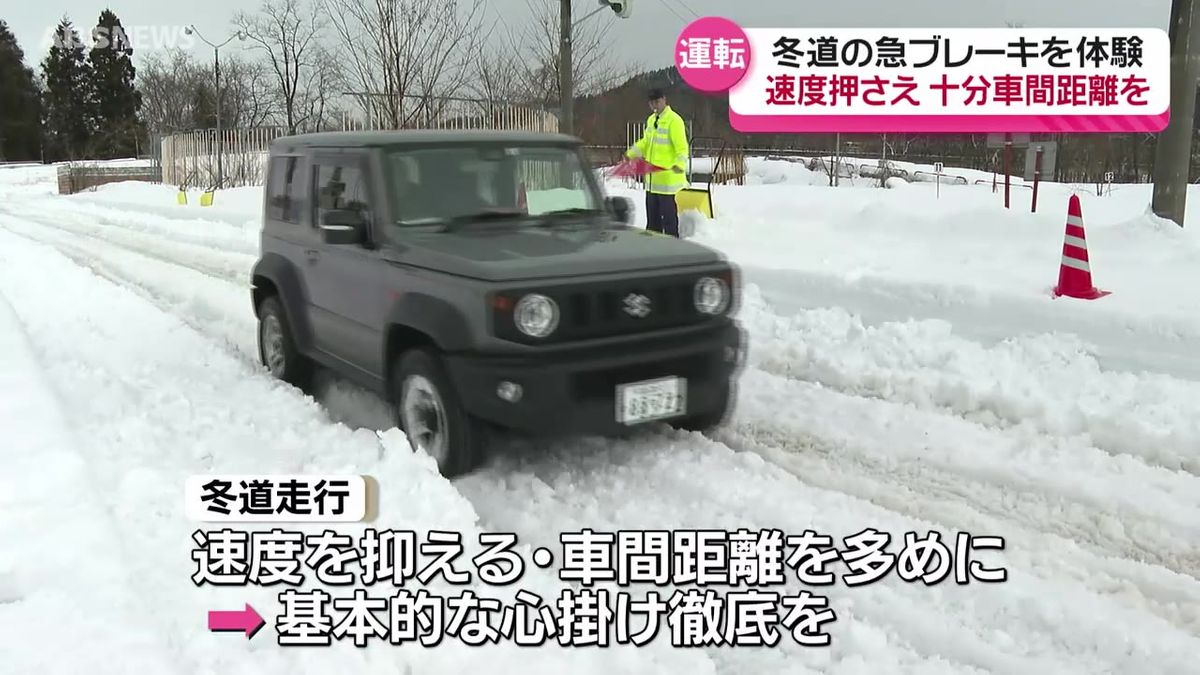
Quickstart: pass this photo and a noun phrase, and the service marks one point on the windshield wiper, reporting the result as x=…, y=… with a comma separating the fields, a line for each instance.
x=549, y=217
x=480, y=216
x=571, y=211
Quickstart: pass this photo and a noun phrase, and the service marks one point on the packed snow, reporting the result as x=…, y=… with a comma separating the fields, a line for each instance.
x=908, y=371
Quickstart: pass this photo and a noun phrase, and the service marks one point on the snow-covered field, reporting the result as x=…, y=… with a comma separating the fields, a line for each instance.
x=908, y=372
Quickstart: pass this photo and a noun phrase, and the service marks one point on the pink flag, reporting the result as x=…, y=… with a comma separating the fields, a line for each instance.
x=633, y=168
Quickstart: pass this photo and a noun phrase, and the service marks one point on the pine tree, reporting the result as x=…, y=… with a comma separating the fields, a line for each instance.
x=20, y=123
x=68, y=102
x=204, y=108
x=115, y=100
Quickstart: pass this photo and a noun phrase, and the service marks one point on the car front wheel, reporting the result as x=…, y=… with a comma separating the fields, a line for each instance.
x=277, y=348
x=430, y=413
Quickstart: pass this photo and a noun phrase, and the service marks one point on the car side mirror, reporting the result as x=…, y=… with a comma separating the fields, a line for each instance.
x=621, y=208
x=343, y=227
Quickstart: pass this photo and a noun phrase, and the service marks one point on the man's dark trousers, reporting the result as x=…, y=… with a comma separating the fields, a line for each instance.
x=662, y=214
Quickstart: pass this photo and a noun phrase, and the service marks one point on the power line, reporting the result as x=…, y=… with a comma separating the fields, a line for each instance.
x=672, y=10
x=687, y=7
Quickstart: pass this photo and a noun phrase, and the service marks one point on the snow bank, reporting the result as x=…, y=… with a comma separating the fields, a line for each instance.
x=761, y=171
x=26, y=180
x=244, y=201
x=1047, y=382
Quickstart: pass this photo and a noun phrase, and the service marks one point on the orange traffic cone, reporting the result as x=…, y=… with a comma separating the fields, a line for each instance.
x=1075, y=272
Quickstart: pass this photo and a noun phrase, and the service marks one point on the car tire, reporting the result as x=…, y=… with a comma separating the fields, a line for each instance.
x=708, y=421
x=431, y=414
x=277, y=347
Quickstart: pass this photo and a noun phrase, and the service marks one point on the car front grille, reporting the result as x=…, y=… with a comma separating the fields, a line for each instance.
x=612, y=307
x=630, y=307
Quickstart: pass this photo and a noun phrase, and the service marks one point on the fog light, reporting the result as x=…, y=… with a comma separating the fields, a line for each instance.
x=509, y=391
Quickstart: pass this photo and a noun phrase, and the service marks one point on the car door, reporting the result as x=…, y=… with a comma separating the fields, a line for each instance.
x=346, y=279
x=288, y=230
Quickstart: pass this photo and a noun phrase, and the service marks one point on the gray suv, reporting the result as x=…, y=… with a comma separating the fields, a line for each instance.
x=481, y=280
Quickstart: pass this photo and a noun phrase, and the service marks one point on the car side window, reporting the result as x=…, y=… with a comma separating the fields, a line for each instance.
x=285, y=193
x=339, y=186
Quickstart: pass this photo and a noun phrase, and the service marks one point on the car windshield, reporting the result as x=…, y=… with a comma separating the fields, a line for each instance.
x=466, y=183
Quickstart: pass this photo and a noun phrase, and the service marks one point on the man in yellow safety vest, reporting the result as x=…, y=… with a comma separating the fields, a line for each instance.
x=664, y=144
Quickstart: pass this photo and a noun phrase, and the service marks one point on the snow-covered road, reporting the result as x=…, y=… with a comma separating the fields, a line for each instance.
x=129, y=364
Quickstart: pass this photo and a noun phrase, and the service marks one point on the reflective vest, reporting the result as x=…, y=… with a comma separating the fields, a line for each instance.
x=664, y=143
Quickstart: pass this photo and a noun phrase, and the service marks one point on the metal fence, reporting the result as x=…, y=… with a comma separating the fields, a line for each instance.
x=446, y=113
x=189, y=158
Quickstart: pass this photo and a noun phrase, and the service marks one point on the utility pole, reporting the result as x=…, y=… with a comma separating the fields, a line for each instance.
x=566, y=78
x=217, y=75
x=566, y=90
x=1173, y=152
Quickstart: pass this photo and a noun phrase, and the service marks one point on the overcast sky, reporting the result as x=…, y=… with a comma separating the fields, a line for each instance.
x=644, y=39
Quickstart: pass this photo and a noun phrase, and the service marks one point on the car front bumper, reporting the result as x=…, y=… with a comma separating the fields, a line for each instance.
x=575, y=391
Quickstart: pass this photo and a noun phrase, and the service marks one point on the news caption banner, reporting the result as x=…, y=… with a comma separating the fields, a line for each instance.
x=709, y=588
x=959, y=80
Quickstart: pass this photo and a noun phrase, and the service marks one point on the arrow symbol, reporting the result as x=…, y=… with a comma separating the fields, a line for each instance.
x=246, y=620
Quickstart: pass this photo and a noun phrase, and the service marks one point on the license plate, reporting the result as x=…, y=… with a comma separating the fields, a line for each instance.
x=651, y=400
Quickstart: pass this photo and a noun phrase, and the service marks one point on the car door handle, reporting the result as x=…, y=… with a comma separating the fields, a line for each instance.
x=313, y=255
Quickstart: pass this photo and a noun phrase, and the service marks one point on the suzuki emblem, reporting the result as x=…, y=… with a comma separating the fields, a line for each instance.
x=637, y=305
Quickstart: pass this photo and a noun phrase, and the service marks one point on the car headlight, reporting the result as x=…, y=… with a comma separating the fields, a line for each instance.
x=536, y=315
x=711, y=295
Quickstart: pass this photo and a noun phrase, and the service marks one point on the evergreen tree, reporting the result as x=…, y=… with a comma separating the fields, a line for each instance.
x=20, y=123
x=204, y=106
x=68, y=101
x=115, y=100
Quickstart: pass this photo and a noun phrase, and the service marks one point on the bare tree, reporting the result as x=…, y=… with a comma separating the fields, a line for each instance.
x=177, y=92
x=287, y=34
x=405, y=58
x=497, y=77
x=594, y=67
x=168, y=81
x=248, y=98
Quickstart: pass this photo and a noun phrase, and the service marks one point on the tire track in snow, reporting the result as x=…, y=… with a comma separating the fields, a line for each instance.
x=205, y=304
x=221, y=263
x=970, y=465
x=194, y=229
x=941, y=498
x=985, y=414
x=672, y=481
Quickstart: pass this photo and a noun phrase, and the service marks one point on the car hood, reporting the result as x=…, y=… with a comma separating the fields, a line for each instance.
x=499, y=253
